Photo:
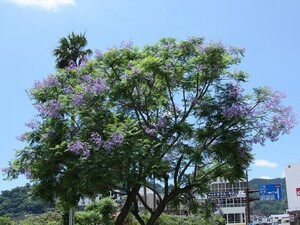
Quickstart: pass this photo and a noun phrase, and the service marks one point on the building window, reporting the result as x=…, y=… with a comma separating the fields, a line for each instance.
x=237, y=218
x=229, y=202
x=230, y=218
x=222, y=187
x=228, y=187
x=234, y=218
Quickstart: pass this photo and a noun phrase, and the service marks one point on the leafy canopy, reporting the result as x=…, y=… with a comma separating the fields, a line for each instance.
x=174, y=111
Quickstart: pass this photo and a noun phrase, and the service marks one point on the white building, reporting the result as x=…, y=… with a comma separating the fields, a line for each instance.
x=292, y=179
x=231, y=200
x=152, y=201
x=280, y=219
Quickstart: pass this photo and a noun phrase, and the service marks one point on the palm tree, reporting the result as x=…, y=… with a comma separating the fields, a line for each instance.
x=71, y=49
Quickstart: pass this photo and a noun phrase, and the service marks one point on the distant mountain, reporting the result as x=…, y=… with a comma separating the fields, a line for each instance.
x=268, y=208
x=19, y=202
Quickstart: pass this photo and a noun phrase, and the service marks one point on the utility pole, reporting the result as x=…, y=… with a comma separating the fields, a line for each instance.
x=248, y=200
x=71, y=216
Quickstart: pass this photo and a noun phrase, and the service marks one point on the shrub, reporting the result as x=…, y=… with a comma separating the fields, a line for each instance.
x=6, y=221
x=88, y=217
x=49, y=218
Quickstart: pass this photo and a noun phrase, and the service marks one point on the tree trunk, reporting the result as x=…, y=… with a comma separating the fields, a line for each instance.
x=156, y=214
x=161, y=207
x=127, y=206
x=135, y=212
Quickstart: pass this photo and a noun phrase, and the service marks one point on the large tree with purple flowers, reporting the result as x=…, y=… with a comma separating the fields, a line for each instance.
x=174, y=111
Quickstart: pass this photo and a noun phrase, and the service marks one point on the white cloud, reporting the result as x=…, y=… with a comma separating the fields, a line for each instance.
x=265, y=163
x=45, y=4
x=265, y=177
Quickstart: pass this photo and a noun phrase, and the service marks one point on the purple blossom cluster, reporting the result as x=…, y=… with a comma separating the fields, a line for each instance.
x=116, y=140
x=234, y=90
x=220, y=44
x=28, y=174
x=94, y=86
x=235, y=110
x=6, y=170
x=87, y=78
x=72, y=64
x=21, y=137
x=153, y=128
x=267, y=117
x=96, y=138
x=234, y=106
x=281, y=122
x=278, y=119
x=128, y=44
x=272, y=99
x=78, y=100
x=79, y=148
x=199, y=46
x=169, y=44
x=51, y=108
x=99, y=54
x=49, y=82
x=31, y=155
x=151, y=131
x=68, y=89
x=162, y=122
x=32, y=124
x=38, y=84
x=83, y=61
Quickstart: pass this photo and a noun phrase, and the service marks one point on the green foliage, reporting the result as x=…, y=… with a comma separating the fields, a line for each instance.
x=174, y=112
x=88, y=217
x=168, y=219
x=97, y=213
x=49, y=218
x=130, y=220
x=71, y=50
x=6, y=221
x=107, y=207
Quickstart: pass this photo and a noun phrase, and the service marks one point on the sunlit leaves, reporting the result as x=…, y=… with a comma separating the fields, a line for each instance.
x=175, y=110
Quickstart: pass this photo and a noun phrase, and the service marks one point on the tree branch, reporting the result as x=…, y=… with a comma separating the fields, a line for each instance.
x=144, y=203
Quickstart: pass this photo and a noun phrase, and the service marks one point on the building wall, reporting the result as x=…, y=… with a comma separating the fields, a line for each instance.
x=282, y=219
x=233, y=206
x=292, y=176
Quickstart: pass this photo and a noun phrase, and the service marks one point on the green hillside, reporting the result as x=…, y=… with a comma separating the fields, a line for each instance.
x=18, y=202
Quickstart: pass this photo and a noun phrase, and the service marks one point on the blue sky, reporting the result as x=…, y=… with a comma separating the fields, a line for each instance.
x=268, y=29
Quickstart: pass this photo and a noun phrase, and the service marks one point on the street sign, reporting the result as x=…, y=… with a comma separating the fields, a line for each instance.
x=270, y=192
x=225, y=194
x=298, y=191
x=241, y=194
